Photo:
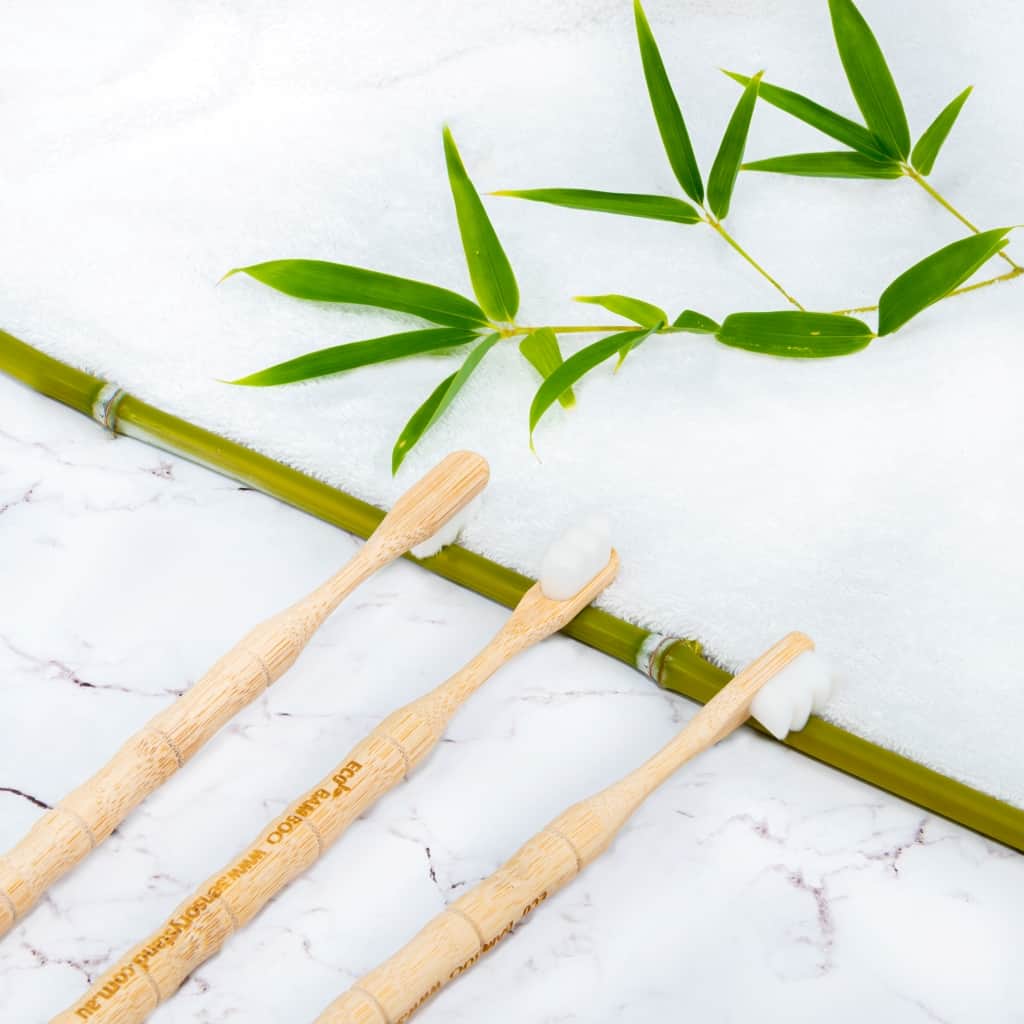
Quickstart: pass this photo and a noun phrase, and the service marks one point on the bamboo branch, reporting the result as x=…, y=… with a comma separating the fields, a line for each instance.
x=919, y=179
x=720, y=229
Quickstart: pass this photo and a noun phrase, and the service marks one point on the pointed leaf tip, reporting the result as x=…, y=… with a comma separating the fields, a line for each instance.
x=840, y=128
x=627, y=204
x=413, y=430
x=831, y=164
x=726, y=167
x=671, y=126
x=321, y=281
x=934, y=277
x=643, y=313
x=576, y=366
x=494, y=283
x=927, y=149
x=339, y=358
x=870, y=79
x=438, y=401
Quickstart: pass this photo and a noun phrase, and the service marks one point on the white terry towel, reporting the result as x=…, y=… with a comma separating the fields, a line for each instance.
x=872, y=500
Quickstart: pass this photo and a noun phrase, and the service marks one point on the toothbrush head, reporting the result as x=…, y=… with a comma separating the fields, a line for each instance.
x=449, y=531
x=429, y=507
x=785, y=702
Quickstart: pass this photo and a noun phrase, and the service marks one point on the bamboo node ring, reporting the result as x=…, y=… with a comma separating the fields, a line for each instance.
x=650, y=659
x=376, y=1002
x=398, y=746
x=572, y=846
x=157, y=731
x=268, y=679
x=105, y=405
x=152, y=982
x=10, y=903
x=472, y=924
x=317, y=835
x=231, y=915
x=82, y=823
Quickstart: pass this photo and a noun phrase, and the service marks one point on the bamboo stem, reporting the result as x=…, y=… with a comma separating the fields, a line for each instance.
x=1008, y=276
x=154, y=969
x=511, y=332
x=919, y=178
x=675, y=665
x=717, y=226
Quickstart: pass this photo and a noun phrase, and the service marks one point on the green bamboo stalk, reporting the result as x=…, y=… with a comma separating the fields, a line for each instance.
x=674, y=664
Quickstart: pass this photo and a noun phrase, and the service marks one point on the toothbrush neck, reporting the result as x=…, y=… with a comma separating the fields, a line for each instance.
x=315, y=607
x=712, y=723
x=458, y=688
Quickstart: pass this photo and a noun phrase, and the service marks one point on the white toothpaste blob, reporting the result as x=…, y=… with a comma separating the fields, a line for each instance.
x=448, y=532
x=576, y=558
x=785, y=702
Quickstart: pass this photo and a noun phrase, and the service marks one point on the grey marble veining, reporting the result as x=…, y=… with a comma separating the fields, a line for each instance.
x=755, y=885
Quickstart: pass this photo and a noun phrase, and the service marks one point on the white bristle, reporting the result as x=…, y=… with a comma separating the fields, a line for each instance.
x=448, y=533
x=785, y=702
x=801, y=706
x=575, y=558
x=772, y=708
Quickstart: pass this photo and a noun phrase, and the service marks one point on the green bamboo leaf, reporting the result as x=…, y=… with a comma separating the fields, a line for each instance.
x=627, y=204
x=722, y=179
x=854, y=135
x=870, y=79
x=628, y=347
x=671, y=125
x=542, y=351
x=575, y=367
x=336, y=282
x=794, y=334
x=695, y=323
x=928, y=146
x=417, y=425
x=438, y=401
x=471, y=362
x=836, y=164
x=489, y=270
x=643, y=313
x=935, y=277
x=339, y=358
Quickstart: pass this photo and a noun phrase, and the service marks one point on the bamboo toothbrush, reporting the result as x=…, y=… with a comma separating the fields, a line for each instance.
x=82, y=820
x=782, y=684
x=577, y=568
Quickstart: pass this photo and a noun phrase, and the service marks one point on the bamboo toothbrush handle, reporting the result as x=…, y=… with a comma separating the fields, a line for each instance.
x=197, y=929
x=69, y=831
x=152, y=971
x=454, y=940
x=457, y=937
x=290, y=843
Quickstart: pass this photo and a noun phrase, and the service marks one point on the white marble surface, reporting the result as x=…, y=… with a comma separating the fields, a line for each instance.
x=754, y=885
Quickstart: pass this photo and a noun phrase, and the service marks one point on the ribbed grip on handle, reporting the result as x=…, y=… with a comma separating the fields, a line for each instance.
x=66, y=834
x=86, y=816
x=454, y=940
x=197, y=929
